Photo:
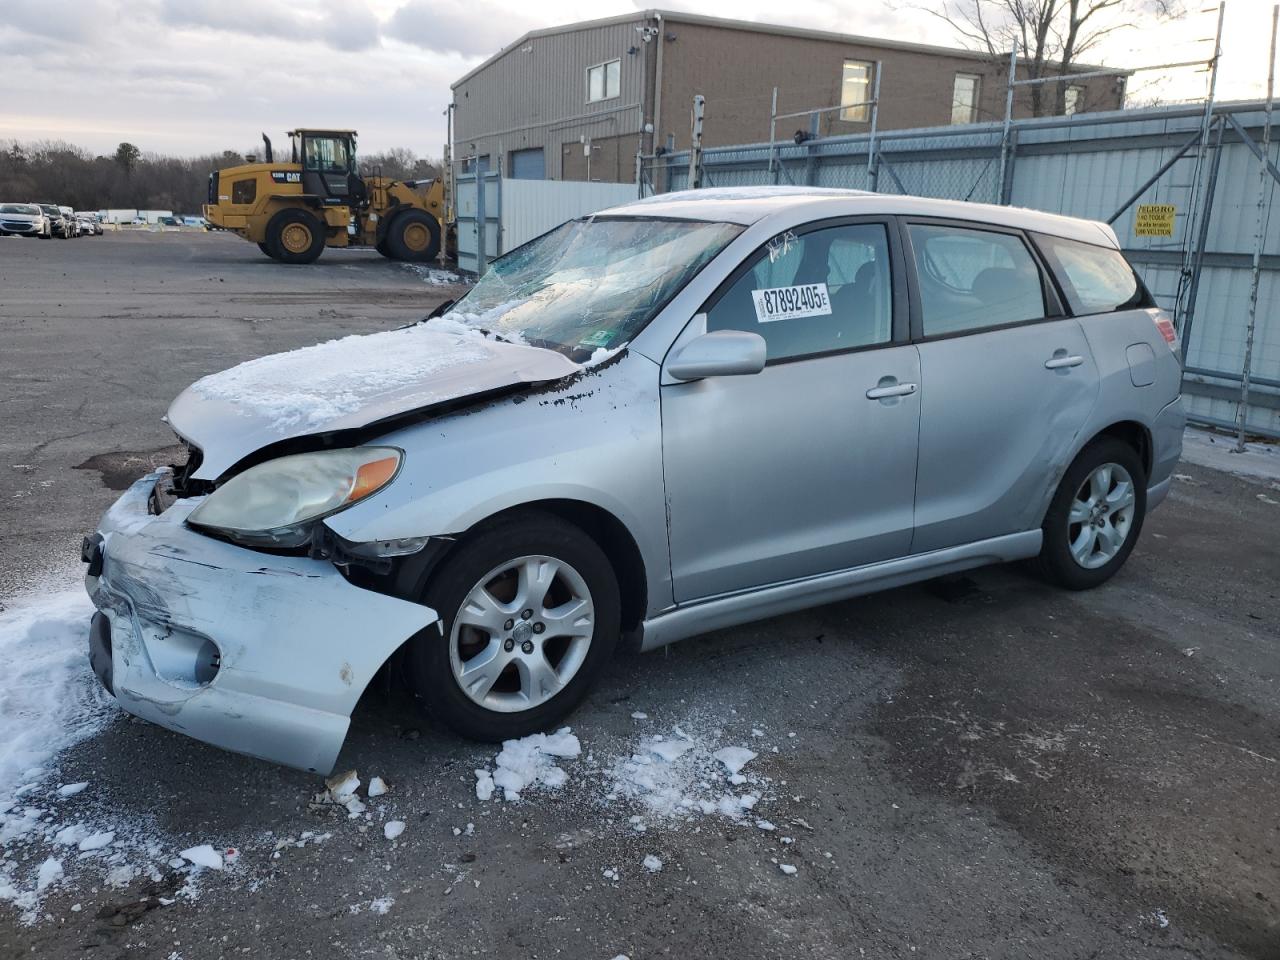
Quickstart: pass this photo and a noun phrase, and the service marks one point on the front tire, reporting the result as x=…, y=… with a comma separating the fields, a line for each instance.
x=530, y=614
x=413, y=236
x=1095, y=517
x=295, y=236
x=265, y=248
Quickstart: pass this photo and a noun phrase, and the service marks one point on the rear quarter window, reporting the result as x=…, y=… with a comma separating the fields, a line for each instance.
x=1095, y=279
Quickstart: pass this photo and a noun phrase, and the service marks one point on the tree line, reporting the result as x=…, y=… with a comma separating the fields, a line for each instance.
x=54, y=171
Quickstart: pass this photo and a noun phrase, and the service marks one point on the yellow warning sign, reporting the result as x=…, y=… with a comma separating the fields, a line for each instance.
x=1154, y=220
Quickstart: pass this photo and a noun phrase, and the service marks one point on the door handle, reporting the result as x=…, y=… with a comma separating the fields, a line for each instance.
x=892, y=390
x=1058, y=362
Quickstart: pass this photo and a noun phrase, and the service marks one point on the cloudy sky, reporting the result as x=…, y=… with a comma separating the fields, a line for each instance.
x=192, y=76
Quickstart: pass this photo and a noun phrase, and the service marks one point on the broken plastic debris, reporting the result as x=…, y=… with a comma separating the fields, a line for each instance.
x=203, y=856
x=393, y=829
x=343, y=785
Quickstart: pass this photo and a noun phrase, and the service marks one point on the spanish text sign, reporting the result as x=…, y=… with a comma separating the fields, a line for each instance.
x=1154, y=220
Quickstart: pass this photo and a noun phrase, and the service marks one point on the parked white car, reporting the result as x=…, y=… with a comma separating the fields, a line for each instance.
x=24, y=220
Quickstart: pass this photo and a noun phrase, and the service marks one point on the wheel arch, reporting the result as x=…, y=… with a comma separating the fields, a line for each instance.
x=1132, y=433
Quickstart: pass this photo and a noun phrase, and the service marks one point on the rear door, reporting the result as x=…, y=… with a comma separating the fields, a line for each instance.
x=1007, y=382
x=808, y=466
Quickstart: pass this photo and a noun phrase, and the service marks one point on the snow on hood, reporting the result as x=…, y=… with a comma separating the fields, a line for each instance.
x=348, y=383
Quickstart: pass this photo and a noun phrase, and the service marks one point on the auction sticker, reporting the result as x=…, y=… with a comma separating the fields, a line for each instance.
x=792, y=303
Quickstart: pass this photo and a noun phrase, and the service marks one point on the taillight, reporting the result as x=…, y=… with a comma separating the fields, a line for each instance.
x=1165, y=326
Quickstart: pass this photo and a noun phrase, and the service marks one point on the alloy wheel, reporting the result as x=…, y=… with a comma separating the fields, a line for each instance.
x=1101, y=516
x=521, y=633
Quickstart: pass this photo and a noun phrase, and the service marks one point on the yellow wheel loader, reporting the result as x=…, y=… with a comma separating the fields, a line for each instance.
x=293, y=210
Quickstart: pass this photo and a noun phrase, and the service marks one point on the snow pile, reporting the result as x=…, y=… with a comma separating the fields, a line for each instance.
x=434, y=276
x=528, y=763
x=1259, y=461
x=49, y=698
x=307, y=388
x=683, y=777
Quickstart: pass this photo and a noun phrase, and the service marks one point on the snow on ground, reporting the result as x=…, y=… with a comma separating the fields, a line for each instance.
x=434, y=276
x=665, y=778
x=1204, y=448
x=49, y=699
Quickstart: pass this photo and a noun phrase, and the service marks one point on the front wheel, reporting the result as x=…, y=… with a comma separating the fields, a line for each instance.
x=295, y=236
x=1095, y=517
x=529, y=614
x=413, y=236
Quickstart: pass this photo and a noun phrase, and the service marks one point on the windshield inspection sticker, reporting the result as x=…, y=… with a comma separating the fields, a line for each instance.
x=601, y=338
x=792, y=303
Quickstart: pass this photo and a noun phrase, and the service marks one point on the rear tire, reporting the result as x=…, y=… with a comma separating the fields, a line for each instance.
x=295, y=236
x=1095, y=517
x=265, y=248
x=533, y=592
x=413, y=236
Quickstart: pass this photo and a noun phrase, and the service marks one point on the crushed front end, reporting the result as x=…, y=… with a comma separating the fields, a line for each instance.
x=257, y=652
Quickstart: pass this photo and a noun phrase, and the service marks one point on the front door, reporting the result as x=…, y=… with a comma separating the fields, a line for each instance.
x=809, y=466
x=1007, y=383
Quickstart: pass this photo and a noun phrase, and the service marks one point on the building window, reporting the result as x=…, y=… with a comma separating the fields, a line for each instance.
x=604, y=81
x=1073, y=102
x=855, y=91
x=964, y=98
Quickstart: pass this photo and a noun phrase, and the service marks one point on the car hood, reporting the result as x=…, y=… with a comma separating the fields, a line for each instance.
x=27, y=217
x=346, y=384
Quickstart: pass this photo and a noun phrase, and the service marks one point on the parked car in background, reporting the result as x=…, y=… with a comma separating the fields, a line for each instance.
x=24, y=220
x=168, y=221
x=60, y=223
x=89, y=225
x=71, y=218
x=779, y=398
x=196, y=222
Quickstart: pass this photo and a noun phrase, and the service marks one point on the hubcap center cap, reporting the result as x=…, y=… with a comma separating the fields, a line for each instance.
x=522, y=632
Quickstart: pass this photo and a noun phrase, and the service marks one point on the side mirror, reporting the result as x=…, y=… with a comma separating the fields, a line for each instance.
x=721, y=353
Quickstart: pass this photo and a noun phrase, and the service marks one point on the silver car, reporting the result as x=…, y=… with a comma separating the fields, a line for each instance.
x=24, y=220
x=673, y=416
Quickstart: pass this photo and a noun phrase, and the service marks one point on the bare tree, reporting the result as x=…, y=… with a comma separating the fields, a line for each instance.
x=1050, y=36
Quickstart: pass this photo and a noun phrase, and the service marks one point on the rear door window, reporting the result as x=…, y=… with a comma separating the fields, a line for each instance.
x=812, y=293
x=971, y=279
x=1095, y=279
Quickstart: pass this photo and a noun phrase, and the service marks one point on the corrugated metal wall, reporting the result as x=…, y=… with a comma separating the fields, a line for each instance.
x=516, y=211
x=1085, y=166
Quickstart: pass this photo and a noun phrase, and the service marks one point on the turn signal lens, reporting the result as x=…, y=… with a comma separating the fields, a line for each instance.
x=372, y=477
x=1165, y=326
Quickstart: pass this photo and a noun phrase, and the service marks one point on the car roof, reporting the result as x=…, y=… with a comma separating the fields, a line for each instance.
x=749, y=205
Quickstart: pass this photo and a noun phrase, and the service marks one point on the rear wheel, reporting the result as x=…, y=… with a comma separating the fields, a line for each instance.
x=295, y=236
x=413, y=236
x=1095, y=517
x=529, y=614
x=265, y=248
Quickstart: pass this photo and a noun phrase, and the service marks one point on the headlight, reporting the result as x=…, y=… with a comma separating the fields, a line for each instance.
x=275, y=503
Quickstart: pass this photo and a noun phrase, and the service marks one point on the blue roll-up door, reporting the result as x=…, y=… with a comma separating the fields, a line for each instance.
x=528, y=164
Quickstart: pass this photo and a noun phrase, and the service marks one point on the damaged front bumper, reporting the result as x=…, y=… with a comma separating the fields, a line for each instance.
x=261, y=654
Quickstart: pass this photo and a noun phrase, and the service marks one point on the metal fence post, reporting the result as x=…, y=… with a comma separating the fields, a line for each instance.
x=1202, y=240
x=1008, y=119
x=1259, y=237
x=481, y=259
x=872, y=173
x=695, y=147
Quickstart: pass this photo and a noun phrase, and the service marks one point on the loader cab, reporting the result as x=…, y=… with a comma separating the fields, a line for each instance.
x=328, y=159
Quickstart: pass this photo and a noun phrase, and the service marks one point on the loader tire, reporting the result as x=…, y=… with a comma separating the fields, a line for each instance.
x=267, y=250
x=413, y=236
x=295, y=236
